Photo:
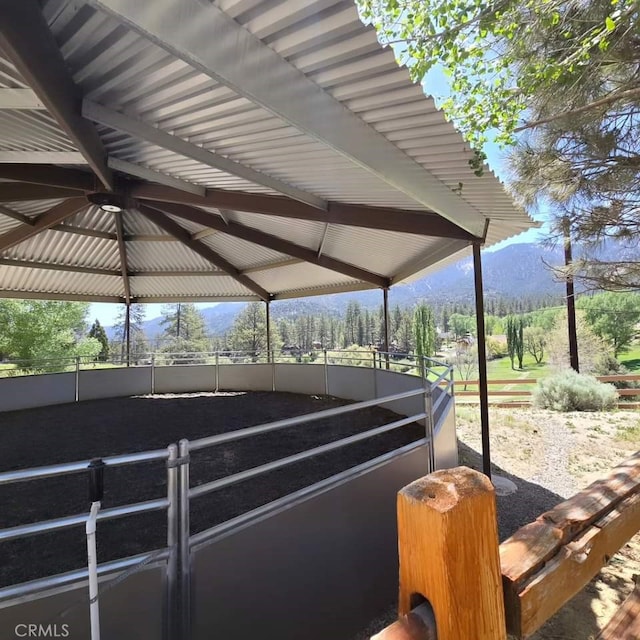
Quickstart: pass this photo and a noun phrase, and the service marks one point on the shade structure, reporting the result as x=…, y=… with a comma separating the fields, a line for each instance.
x=242, y=149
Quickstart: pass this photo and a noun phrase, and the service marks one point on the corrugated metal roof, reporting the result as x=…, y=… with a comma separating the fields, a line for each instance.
x=123, y=70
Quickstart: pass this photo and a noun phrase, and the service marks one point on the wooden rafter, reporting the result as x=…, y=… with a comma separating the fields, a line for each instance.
x=181, y=234
x=383, y=218
x=49, y=266
x=26, y=39
x=49, y=175
x=269, y=241
x=21, y=191
x=46, y=220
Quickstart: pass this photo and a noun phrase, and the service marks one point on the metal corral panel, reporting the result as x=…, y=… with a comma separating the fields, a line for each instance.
x=132, y=610
x=321, y=565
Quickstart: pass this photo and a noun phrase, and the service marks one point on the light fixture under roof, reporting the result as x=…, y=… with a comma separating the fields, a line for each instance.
x=111, y=202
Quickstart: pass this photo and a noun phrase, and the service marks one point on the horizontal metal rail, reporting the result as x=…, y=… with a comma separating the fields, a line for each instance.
x=232, y=436
x=50, y=471
x=443, y=396
x=14, y=594
x=46, y=526
x=299, y=457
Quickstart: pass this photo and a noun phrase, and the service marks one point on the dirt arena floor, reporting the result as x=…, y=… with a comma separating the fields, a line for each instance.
x=101, y=428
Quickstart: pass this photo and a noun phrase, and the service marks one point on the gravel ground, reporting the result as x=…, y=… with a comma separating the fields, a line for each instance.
x=66, y=433
x=550, y=457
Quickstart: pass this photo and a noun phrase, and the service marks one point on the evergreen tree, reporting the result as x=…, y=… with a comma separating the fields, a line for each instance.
x=136, y=332
x=97, y=331
x=424, y=331
x=184, y=328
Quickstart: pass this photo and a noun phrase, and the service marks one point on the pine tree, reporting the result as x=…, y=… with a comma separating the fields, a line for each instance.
x=184, y=328
x=97, y=331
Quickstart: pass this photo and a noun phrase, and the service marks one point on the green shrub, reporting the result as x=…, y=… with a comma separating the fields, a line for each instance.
x=571, y=391
x=496, y=349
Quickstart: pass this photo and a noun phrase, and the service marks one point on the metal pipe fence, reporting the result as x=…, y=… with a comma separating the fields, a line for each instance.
x=177, y=553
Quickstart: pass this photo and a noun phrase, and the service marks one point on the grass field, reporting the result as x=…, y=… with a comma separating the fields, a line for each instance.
x=631, y=359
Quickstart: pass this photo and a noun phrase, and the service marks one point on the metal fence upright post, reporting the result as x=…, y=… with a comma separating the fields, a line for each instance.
x=184, y=533
x=326, y=373
x=172, y=594
x=273, y=370
x=428, y=409
x=217, y=371
x=153, y=373
x=77, y=381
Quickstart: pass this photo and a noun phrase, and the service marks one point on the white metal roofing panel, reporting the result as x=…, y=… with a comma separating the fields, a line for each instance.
x=32, y=208
x=7, y=223
x=304, y=275
x=307, y=233
x=382, y=252
x=93, y=218
x=240, y=253
x=57, y=247
x=188, y=286
x=30, y=280
x=164, y=256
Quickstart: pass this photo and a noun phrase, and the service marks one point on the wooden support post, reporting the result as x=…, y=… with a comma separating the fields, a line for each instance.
x=571, y=300
x=268, y=328
x=448, y=546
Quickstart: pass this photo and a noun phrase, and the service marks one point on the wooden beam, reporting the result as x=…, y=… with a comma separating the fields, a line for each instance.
x=44, y=221
x=21, y=191
x=124, y=269
x=181, y=234
x=82, y=231
x=273, y=265
x=27, y=41
x=20, y=99
x=384, y=218
x=176, y=274
x=548, y=561
x=10, y=213
x=49, y=175
x=149, y=133
x=269, y=241
x=46, y=295
x=29, y=264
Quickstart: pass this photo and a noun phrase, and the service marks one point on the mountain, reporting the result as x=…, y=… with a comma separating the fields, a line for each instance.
x=516, y=271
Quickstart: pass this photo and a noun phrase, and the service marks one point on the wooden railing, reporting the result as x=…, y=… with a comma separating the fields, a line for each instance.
x=522, y=397
x=458, y=583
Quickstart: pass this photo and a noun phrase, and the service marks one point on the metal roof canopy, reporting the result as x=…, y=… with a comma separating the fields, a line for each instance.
x=261, y=149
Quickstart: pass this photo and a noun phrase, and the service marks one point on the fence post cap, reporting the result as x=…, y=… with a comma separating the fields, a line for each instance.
x=443, y=489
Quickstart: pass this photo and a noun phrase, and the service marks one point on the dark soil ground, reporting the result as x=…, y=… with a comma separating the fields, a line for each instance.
x=100, y=428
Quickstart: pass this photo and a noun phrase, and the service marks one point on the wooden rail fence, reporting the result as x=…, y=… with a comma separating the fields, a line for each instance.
x=458, y=583
x=523, y=396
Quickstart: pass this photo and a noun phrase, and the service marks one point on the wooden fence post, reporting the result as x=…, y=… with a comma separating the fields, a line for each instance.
x=448, y=546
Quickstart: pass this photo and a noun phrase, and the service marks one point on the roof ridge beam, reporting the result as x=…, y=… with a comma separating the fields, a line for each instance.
x=424, y=223
x=153, y=135
x=182, y=235
x=26, y=39
x=272, y=242
x=44, y=221
x=208, y=39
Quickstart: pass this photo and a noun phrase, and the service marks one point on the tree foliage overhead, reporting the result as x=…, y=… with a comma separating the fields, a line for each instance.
x=558, y=80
